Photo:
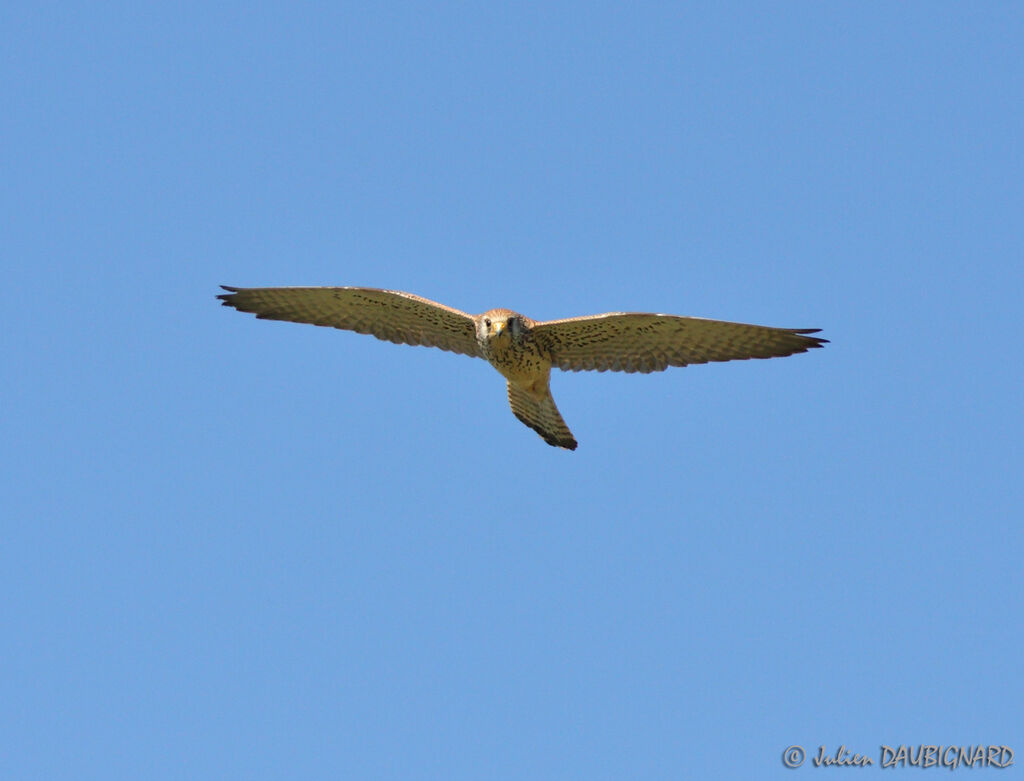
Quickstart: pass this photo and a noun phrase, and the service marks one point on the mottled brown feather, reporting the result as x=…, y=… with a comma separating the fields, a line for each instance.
x=387, y=314
x=538, y=411
x=639, y=342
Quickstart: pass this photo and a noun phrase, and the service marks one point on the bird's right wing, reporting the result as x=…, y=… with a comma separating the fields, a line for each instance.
x=387, y=314
x=639, y=342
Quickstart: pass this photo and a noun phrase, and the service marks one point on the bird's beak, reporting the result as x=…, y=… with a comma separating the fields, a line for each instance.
x=498, y=328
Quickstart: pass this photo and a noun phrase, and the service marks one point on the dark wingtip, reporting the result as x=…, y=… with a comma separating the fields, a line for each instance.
x=225, y=298
x=816, y=341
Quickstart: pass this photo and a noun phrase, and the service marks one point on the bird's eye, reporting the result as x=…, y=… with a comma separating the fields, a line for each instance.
x=487, y=322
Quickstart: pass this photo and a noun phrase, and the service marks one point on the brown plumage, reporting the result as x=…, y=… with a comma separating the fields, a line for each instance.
x=524, y=350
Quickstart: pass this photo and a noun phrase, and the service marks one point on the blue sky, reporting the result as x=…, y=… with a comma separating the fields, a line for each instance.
x=243, y=549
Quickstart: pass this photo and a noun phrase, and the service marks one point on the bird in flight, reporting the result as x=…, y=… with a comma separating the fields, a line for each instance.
x=524, y=350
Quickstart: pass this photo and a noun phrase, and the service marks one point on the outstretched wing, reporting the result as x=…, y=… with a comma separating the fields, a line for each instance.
x=637, y=342
x=387, y=314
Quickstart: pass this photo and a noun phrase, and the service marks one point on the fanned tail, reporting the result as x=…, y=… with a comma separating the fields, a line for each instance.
x=538, y=411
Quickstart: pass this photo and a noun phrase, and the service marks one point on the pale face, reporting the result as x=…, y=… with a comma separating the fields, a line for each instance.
x=500, y=327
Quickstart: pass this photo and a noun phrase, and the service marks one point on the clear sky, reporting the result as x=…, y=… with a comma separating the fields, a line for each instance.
x=244, y=549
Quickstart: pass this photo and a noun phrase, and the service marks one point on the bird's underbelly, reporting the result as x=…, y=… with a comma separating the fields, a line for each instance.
x=521, y=366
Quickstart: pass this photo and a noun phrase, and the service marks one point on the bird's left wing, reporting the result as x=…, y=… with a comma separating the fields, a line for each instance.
x=638, y=342
x=387, y=314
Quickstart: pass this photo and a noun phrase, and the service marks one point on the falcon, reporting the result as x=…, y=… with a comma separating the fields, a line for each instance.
x=524, y=350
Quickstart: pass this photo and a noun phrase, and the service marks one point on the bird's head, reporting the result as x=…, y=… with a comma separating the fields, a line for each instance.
x=500, y=326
